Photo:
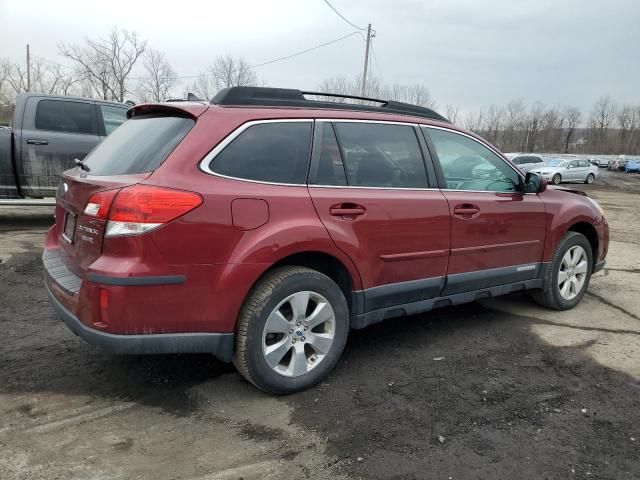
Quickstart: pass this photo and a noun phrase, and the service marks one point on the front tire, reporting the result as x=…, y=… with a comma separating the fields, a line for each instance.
x=292, y=329
x=556, y=179
x=589, y=179
x=569, y=274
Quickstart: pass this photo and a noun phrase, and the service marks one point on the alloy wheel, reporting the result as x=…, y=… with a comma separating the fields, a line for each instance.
x=298, y=334
x=573, y=272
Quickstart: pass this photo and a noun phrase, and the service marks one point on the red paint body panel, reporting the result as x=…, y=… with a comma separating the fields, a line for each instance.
x=509, y=229
x=242, y=228
x=395, y=226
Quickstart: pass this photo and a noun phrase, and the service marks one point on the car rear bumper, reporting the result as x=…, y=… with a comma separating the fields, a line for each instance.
x=219, y=344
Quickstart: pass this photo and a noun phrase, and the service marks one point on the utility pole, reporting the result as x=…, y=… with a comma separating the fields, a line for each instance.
x=366, y=62
x=28, y=69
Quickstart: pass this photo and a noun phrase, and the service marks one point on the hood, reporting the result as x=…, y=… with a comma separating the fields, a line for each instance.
x=568, y=190
x=546, y=169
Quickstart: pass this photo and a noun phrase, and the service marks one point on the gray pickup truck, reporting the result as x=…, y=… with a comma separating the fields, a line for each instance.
x=47, y=134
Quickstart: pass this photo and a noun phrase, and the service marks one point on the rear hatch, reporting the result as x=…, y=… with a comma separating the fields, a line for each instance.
x=125, y=158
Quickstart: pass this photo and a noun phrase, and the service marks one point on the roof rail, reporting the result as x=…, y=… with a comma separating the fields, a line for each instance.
x=289, y=97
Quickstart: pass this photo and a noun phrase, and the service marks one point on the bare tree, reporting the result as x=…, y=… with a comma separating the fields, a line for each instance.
x=451, y=112
x=159, y=78
x=226, y=71
x=572, y=120
x=46, y=77
x=600, y=121
x=107, y=63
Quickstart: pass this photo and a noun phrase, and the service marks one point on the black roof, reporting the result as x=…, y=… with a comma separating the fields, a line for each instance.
x=288, y=97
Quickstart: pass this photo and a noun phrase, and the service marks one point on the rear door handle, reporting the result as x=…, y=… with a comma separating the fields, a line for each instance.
x=466, y=210
x=35, y=141
x=347, y=210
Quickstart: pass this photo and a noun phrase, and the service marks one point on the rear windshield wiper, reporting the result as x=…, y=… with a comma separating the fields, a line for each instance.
x=82, y=165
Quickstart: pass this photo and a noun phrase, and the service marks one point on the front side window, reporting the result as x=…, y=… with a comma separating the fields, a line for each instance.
x=275, y=152
x=469, y=165
x=380, y=155
x=112, y=117
x=64, y=116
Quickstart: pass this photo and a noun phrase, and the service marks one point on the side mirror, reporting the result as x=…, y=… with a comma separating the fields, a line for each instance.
x=534, y=183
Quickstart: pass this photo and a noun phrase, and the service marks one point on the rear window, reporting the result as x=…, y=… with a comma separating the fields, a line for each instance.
x=139, y=145
x=275, y=152
x=64, y=116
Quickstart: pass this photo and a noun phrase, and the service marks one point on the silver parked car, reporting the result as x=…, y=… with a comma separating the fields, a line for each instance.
x=558, y=170
x=526, y=162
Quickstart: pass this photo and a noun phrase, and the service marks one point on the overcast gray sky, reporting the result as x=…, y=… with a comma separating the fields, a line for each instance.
x=470, y=53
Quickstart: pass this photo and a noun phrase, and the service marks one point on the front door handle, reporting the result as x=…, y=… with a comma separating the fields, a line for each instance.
x=466, y=210
x=347, y=210
x=35, y=141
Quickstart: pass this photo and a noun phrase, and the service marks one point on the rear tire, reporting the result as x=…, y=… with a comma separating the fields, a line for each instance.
x=589, y=179
x=556, y=179
x=292, y=330
x=566, y=284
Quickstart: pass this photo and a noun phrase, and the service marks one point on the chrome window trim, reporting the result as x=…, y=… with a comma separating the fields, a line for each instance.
x=373, y=188
x=487, y=146
x=204, y=163
x=208, y=158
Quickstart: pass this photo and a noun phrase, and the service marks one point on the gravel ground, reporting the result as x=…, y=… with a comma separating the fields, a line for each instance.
x=495, y=389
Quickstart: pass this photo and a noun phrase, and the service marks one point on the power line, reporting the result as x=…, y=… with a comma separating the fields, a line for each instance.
x=302, y=52
x=341, y=16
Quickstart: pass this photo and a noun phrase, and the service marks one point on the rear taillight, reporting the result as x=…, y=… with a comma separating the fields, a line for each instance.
x=99, y=203
x=141, y=208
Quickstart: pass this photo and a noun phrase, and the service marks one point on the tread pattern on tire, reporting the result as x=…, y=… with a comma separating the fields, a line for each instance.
x=545, y=296
x=256, y=299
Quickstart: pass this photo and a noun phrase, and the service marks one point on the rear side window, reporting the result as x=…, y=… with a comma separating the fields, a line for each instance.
x=381, y=155
x=64, y=116
x=275, y=152
x=140, y=145
x=112, y=117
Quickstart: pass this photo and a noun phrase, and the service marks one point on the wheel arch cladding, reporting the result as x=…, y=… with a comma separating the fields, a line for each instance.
x=324, y=263
x=590, y=232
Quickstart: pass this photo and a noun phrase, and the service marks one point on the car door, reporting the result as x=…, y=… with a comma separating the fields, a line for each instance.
x=370, y=187
x=573, y=172
x=54, y=133
x=497, y=232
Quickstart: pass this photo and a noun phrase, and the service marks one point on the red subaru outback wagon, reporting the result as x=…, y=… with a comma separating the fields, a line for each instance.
x=264, y=225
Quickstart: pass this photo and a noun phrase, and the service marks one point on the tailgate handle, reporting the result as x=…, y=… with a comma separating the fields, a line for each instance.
x=35, y=141
x=347, y=210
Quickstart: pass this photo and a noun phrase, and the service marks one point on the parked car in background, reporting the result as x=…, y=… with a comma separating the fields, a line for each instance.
x=632, y=166
x=47, y=135
x=263, y=226
x=600, y=162
x=528, y=161
x=557, y=171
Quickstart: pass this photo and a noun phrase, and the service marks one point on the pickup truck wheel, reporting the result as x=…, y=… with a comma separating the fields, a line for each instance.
x=556, y=179
x=291, y=330
x=567, y=279
x=590, y=178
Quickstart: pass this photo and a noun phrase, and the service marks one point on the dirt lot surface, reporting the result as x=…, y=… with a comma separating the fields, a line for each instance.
x=501, y=389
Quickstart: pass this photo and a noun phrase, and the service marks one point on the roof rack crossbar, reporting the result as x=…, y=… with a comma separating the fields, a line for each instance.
x=288, y=97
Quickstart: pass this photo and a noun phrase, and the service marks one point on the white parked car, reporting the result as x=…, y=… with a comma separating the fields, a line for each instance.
x=558, y=170
x=526, y=162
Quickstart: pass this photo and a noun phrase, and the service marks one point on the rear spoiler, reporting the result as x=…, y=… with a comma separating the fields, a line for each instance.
x=186, y=109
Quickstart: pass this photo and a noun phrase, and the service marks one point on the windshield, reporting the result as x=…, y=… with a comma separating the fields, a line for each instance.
x=557, y=163
x=139, y=145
